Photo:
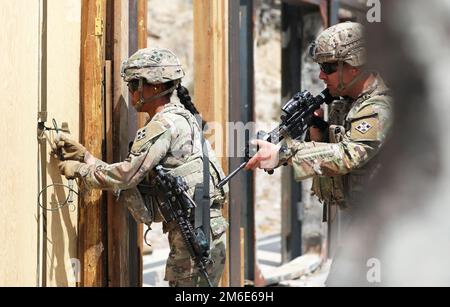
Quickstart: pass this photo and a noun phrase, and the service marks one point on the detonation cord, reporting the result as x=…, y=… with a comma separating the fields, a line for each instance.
x=68, y=200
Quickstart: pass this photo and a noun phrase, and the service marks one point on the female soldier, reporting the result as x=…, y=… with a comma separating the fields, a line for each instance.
x=172, y=139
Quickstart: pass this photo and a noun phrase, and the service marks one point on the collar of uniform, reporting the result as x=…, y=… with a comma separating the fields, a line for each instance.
x=167, y=106
x=367, y=92
x=378, y=87
x=172, y=104
x=372, y=89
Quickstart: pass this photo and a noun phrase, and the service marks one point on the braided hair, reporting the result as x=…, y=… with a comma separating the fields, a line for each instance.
x=186, y=100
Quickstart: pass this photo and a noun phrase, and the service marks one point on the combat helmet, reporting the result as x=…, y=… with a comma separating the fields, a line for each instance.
x=154, y=66
x=343, y=42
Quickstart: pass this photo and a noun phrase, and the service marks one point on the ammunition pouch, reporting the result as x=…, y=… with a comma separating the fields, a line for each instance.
x=218, y=223
x=357, y=181
x=192, y=172
x=336, y=133
x=136, y=204
x=330, y=190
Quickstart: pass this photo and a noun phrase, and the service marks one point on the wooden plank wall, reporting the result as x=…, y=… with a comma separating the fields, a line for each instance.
x=142, y=10
x=92, y=224
x=127, y=32
x=40, y=73
x=65, y=79
x=211, y=75
x=211, y=68
x=62, y=70
x=118, y=265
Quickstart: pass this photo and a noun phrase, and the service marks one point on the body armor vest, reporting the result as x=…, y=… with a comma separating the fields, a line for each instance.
x=190, y=167
x=345, y=190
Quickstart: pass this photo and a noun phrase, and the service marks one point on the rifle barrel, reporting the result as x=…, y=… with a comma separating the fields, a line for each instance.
x=227, y=178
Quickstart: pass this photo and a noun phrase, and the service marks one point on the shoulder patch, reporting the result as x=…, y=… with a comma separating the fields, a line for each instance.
x=365, y=129
x=147, y=134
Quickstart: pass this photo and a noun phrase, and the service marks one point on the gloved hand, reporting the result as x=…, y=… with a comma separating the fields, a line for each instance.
x=69, y=168
x=68, y=149
x=319, y=127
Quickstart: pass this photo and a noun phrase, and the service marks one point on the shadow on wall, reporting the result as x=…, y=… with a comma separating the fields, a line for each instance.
x=398, y=237
x=60, y=251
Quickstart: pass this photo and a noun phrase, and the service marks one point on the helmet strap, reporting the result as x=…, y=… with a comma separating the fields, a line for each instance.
x=142, y=100
x=342, y=86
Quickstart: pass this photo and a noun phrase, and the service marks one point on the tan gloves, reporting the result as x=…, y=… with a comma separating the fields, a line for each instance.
x=70, y=169
x=71, y=155
x=68, y=149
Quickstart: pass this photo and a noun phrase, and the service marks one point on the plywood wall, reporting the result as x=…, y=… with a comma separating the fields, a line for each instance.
x=36, y=251
x=18, y=106
x=63, y=104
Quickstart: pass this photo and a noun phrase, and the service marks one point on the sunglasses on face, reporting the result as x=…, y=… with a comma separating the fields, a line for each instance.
x=133, y=85
x=329, y=68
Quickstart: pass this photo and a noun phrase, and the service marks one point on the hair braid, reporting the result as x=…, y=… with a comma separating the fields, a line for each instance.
x=186, y=100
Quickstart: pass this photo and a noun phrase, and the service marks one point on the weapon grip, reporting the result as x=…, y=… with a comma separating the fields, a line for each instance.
x=261, y=135
x=252, y=149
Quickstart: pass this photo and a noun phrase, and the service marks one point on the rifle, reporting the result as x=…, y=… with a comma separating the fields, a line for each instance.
x=176, y=207
x=296, y=118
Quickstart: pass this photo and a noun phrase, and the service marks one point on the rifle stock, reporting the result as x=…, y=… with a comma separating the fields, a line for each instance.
x=175, y=208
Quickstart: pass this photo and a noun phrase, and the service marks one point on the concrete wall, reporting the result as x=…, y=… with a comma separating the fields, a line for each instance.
x=37, y=246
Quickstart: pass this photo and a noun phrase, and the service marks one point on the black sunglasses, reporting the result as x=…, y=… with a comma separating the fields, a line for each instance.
x=328, y=68
x=133, y=85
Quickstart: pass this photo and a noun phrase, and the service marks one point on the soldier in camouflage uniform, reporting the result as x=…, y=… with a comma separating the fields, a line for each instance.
x=343, y=159
x=173, y=139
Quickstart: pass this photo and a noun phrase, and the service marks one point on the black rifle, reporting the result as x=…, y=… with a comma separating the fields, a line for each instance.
x=176, y=207
x=297, y=115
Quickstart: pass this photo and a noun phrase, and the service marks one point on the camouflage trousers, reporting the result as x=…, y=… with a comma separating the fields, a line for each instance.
x=181, y=270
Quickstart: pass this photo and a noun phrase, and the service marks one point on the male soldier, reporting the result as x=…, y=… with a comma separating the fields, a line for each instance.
x=342, y=159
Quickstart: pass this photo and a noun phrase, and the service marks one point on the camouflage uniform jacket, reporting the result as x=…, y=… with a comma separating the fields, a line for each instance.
x=341, y=168
x=172, y=139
